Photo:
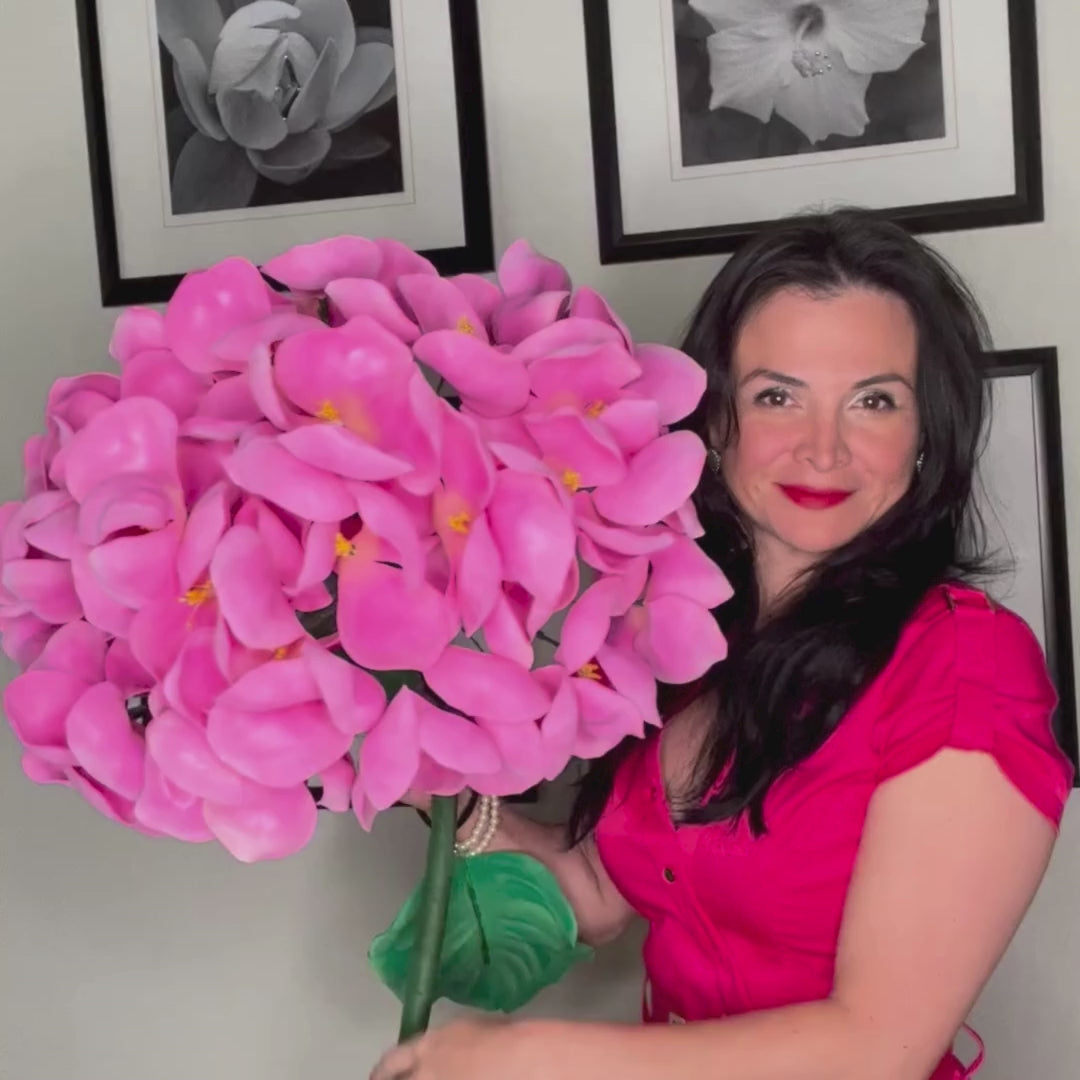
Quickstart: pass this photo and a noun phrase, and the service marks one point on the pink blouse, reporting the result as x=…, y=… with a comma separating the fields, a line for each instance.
x=738, y=923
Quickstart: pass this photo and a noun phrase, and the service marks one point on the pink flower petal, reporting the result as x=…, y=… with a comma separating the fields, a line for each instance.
x=559, y=728
x=45, y=586
x=685, y=520
x=209, y=304
x=156, y=373
x=490, y=382
x=130, y=501
x=78, y=649
x=360, y=370
x=278, y=538
x=660, y=478
x=630, y=676
x=123, y=670
x=632, y=424
x=137, y=569
x=487, y=686
x=606, y=718
x=390, y=521
x=467, y=467
x=236, y=349
x=389, y=758
x=354, y=699
x=283, y=683
x=311, y=267
x=685, y=570
x=106, y=802
x=398, y=259
x=581, y=379
x=181, y=751
x=568, y=337
x=586, y=303
x=504, y=632
x=385, y=624
x=681, y=639
x=335, y=450
x=24, y=638
x=267, y=824
x=277, y=747
x=55, y=534
x=522, y=271
x=483, y=295
x=616, y=539
x=264, y=391
x=201, y=466
x=36, y=705
x=365, y=296
x=157, y=809
x=158, y=631
x=103, y=741
x=670, y=378
x=479, y=577
x=319, y=554
x=337, y=781
x=75, y=399
x=99, y=606
x=520, y=317
x=195, y=681
x=533, y=532
x=37, y=456
x=580, y=449
x=230, y=399
x=136, y=330
x=136, y=435
x=249, y=592
x=263, y=467
x=438, y=304
x=42, y=772
x=206, y=524
x=587, y=623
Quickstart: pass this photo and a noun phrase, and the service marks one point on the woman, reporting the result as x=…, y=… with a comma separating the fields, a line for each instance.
x=837, y=832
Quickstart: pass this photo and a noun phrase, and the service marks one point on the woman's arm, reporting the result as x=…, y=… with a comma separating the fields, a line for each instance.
x=949, y=861
x=602, y=914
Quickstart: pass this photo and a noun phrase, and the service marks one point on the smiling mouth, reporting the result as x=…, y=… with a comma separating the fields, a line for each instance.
x=814, y=498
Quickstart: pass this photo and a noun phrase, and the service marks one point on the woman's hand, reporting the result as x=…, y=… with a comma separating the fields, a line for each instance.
x=465, y=1050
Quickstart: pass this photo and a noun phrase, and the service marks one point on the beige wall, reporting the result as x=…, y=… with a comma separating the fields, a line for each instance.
x=122, y=958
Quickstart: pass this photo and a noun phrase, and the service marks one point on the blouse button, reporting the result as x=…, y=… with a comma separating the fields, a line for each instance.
x=669, y=874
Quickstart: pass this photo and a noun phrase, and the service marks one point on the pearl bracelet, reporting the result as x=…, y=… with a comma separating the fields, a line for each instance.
x=487, y=823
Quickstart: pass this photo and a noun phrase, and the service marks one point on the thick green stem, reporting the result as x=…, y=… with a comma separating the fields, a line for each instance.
x=435, y=894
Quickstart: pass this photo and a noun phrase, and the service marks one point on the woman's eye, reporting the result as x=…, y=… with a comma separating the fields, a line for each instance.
x=773, y=398
x=878, y=401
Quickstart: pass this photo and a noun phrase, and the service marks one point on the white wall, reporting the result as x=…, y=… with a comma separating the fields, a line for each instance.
x=122, y=957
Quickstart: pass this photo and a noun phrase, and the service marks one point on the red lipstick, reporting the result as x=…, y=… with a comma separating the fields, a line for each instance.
x=814, y=498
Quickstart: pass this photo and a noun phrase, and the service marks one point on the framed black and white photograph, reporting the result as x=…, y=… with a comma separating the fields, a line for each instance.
x=1020, y=493
x=713, y=117
x=242, y=127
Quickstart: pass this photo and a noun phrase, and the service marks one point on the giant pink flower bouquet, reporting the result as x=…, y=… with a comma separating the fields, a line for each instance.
x=309, y=549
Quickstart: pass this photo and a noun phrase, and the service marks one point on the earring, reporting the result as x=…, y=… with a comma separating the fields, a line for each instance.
x=919, y=462
x=712, y=458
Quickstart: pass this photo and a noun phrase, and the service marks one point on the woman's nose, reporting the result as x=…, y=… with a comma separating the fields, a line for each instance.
x=822, y=445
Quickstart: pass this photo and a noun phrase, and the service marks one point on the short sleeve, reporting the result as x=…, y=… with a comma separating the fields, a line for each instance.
x=970, y=675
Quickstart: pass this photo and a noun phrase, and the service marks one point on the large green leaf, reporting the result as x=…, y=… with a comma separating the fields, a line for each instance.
x=509, y=933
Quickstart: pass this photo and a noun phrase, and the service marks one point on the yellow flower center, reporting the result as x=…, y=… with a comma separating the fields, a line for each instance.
x=281, y=652
x=571, y=480
x=594, y=409
x=459, y=522
x=198, y=595
x=343, y=548
x=464, y=326
x=329, y=413
x=590, y=671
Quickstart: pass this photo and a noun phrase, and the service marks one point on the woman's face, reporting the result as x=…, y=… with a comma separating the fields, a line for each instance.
x=828, y=426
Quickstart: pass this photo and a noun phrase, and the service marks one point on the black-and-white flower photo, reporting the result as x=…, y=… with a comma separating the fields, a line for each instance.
x=269, y=102
x=773, y=78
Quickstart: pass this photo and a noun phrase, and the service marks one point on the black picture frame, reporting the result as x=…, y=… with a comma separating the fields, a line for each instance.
x=476, y=254
x=1040, y=365
x=616, y=245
